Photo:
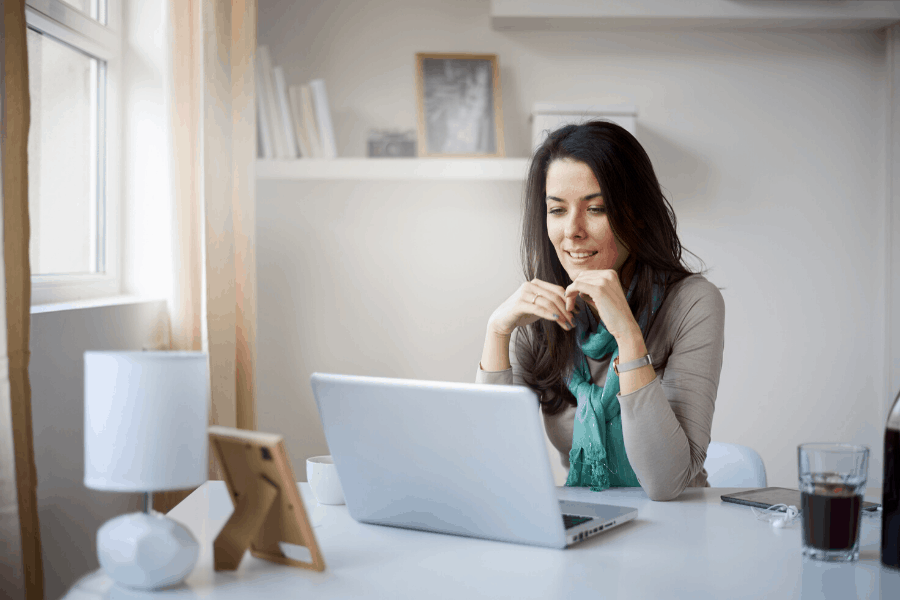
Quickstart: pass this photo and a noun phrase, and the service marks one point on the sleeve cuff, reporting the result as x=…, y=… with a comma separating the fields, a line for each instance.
x=633, y=394
x=641, y=400
x=504, y=377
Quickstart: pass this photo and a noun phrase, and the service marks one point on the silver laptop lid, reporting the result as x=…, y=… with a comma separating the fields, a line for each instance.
x=460, y=458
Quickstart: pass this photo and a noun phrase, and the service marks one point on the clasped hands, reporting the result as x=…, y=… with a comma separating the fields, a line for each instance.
x=537, y=299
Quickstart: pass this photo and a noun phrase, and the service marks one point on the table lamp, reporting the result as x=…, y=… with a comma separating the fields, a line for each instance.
x=145, y=430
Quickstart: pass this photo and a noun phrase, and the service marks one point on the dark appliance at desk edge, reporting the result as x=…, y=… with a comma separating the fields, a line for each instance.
x=890, y=500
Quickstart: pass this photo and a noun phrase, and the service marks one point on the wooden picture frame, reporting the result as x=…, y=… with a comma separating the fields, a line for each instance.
x=460, y=109
x=267, y=504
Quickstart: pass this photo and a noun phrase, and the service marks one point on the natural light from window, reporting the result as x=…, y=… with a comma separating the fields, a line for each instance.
x=64, y=198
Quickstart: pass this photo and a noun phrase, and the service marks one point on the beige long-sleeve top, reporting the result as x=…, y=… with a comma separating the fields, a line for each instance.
x=667, y=423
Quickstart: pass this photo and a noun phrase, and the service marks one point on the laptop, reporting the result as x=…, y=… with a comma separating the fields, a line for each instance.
x=457, y=458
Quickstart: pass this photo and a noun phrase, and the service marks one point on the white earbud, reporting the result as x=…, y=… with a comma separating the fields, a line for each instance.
x=784, y=521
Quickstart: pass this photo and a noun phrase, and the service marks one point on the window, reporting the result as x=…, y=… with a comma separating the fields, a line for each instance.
x=93, y=8
x=74, y=49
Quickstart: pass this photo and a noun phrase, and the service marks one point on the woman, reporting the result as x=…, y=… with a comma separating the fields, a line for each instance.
x=620, y=340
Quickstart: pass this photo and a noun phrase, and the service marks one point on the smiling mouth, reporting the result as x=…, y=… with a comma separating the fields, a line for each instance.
x=580, y=255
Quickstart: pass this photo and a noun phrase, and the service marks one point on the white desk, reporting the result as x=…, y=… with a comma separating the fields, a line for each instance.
x=694, y=547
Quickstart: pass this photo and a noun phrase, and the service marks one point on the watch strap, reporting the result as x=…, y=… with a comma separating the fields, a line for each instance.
x=632, y=365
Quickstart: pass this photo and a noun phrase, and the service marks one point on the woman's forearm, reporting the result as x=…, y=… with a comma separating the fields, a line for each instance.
x=495, y=355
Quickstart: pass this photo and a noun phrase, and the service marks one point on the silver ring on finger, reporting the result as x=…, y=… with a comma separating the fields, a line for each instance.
x=536, y=296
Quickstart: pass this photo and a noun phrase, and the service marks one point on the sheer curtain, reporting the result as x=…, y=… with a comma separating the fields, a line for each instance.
x=21, y=567
x=213, y=305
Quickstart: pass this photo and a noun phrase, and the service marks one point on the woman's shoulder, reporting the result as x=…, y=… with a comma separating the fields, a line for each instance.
x=695, y=292
x=693, y=307
x=694, y=286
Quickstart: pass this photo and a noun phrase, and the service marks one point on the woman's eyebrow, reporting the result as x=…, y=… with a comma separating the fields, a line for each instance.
x=586, y=198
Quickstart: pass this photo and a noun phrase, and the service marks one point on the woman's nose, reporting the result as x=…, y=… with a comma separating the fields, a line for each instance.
x=574, y=226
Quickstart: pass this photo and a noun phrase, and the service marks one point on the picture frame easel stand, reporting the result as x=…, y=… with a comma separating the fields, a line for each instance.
x=268, y=509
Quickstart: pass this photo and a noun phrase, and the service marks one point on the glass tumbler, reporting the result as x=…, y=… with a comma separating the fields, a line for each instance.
x=832, y=485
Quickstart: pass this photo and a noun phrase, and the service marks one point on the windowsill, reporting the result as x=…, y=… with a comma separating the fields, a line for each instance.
x=92, y=303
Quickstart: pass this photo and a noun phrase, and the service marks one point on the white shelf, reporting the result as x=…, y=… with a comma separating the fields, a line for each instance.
x=605, y=15
x=395, y=169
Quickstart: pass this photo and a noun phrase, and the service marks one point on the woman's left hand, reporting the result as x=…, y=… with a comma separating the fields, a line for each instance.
x=603, y=291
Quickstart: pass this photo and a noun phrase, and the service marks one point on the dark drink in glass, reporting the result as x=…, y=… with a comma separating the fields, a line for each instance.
x=831, y=517
x=832, y=485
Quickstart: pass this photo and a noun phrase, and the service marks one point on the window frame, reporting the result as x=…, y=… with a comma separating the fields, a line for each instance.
x=72, y=27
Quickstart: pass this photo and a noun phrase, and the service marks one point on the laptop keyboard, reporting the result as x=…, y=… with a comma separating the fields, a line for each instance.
x=571, y=521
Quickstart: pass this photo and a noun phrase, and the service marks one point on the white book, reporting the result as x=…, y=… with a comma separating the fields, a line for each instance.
x=297, y=119
x=265, y=128
x=286, y=121
x=309, y=122
x=323, y=118
x=265, y=67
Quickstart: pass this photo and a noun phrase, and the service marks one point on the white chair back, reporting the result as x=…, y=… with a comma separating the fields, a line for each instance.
x=733, y=465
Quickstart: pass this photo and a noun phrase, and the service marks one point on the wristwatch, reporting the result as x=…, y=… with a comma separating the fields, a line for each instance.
x=632, y=365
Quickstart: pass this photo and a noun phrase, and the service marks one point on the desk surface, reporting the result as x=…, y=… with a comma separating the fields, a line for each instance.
x=694, y=547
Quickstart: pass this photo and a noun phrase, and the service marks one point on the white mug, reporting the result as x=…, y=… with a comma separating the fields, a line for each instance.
x=322, y=476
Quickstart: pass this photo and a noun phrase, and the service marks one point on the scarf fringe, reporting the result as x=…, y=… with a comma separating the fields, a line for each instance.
x=588, y=469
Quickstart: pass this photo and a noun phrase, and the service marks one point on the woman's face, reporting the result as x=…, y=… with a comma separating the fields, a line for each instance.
x=577, y=222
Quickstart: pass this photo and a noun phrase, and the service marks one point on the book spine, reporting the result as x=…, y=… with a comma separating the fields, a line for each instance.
x=265, y=63
x=297, y=119
x=286, y=121
x=323, y=118
x=309, y=121
x=262, y=111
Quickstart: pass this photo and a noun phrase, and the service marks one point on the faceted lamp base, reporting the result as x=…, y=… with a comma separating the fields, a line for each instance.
x=146, y=551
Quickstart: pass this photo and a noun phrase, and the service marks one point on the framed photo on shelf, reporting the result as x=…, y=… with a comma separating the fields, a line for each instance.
x=459, y=105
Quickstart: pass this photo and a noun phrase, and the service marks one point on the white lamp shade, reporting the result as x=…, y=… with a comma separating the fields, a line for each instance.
x=145, y=420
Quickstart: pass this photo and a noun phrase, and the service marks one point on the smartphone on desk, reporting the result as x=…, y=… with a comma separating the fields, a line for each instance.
x=766, y=497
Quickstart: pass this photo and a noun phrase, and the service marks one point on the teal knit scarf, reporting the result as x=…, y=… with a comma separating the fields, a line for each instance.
x=597, y=459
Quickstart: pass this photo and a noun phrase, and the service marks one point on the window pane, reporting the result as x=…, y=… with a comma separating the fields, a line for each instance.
x=62, y=158
x=82, y=5
x=95, y=9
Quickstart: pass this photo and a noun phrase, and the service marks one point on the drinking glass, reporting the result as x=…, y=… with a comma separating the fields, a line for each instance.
x=832, y=486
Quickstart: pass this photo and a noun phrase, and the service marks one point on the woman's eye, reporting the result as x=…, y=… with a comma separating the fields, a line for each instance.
x=555, y=211
x=598, y=209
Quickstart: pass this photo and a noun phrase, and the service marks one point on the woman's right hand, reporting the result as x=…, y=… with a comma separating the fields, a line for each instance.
x=533, y=300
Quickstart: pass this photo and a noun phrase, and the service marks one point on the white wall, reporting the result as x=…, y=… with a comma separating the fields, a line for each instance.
x=394, y=280
x=770, y=145
x=71, y=514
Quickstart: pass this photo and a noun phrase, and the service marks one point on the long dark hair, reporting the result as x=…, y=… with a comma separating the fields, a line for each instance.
x=640, y=216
